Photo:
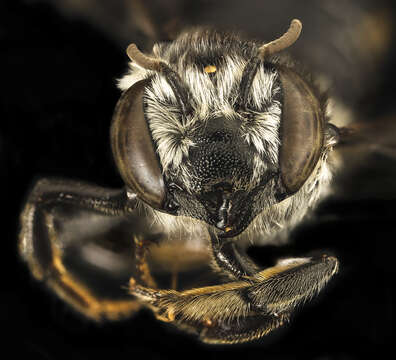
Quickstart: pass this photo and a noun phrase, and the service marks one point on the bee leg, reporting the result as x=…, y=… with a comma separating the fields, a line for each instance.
x=234, y=262
x=49, y=252
x=224, y=314
x=230, y=259
x=142, y=272
x=282, y=288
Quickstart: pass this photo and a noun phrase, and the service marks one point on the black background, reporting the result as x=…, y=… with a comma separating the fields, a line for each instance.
x=57, y=96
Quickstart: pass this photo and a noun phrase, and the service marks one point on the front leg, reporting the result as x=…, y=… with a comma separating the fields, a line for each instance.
x=230, y=260
x=243, y=310
x=235, y=263
x=250, y=307
x=73, y=261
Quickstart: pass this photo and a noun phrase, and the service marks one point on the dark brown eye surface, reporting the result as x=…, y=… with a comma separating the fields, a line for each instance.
x=302, y=131
x=133, y=148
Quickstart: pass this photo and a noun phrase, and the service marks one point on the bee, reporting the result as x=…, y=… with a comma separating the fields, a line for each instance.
x=221, y=143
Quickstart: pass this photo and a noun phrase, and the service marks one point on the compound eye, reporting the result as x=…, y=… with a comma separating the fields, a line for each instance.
x=133, y=148
x=302, y=131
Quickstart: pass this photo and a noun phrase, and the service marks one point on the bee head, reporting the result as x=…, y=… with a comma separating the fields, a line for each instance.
x=214, y=130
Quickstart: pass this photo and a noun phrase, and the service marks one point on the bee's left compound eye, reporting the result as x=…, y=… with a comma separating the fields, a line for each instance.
x=302, y=131
x=133, y=148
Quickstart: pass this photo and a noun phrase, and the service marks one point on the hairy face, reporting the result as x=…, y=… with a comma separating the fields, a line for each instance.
x=221, y=160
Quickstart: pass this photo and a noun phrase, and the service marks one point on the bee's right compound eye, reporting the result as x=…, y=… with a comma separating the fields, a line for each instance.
x=134, y=150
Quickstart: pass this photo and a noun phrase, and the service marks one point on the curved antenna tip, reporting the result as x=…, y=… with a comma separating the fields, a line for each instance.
x=131, y=50
x=283, y=42
x=141, y=59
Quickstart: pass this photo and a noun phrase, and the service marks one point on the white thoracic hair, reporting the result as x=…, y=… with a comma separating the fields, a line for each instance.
x=213, y=97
